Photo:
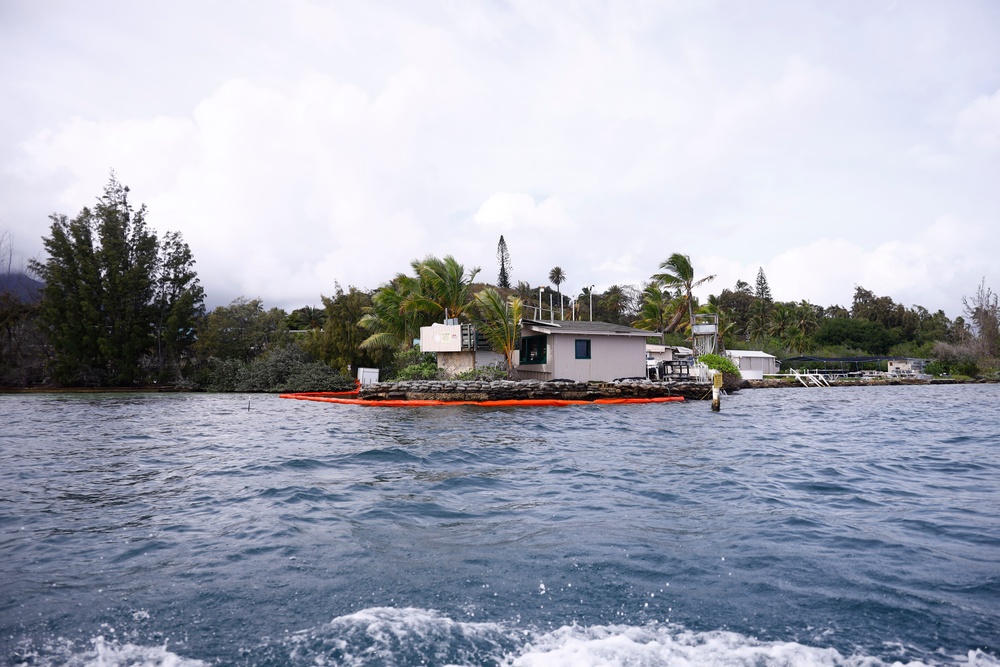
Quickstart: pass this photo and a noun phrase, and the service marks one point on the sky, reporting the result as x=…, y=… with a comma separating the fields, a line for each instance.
x=298, y=145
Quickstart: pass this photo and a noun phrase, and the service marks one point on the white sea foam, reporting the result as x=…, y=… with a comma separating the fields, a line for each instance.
x=407, y=636
x=419, y=636
x=104, y=653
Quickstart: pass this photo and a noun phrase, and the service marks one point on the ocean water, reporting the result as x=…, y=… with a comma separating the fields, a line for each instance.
x=850, y=526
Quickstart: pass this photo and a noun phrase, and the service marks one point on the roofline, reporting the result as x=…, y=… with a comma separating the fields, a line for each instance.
x=567, y=327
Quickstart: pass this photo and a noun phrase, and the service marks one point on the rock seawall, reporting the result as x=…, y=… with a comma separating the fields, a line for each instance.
x=510, y=390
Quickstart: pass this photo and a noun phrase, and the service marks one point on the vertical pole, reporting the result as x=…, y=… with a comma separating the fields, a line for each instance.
x=716, y=388
x=552, y=312
x=591, y=303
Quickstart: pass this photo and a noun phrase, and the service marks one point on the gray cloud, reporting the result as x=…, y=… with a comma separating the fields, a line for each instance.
x=300, y=144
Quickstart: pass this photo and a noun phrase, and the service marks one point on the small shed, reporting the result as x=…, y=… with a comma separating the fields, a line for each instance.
x=754, y=364
x=581, y=351
x=906, y=367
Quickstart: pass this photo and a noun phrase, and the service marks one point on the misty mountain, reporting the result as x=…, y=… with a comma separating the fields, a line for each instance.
x=22, y=286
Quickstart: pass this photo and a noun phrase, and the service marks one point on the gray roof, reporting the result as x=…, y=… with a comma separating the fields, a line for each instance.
x=578, y=327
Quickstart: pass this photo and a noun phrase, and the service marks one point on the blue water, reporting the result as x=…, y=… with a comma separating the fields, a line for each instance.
x=849, y=526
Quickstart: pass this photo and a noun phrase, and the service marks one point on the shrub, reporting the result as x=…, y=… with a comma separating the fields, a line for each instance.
x=286, y=369
x=411, y=357
x=424, y=371
x=315, y=376
x=731, y=376
x=483, y=374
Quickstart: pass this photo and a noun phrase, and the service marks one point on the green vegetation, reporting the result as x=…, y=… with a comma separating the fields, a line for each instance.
x=500, y=322
x=117, y=305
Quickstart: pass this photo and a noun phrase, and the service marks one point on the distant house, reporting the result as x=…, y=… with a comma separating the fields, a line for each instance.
x=906, y=367
x=754, y=364
x=580, y=351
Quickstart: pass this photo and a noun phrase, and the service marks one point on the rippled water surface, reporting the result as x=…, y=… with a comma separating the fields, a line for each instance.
x=854, y=526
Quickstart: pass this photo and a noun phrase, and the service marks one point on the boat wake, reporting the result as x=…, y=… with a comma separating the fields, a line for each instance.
x=387, y=636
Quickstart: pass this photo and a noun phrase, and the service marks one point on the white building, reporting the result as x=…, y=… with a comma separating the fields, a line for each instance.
x=754, y=364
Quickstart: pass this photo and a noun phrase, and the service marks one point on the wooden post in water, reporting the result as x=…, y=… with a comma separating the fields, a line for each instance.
x=716, y=390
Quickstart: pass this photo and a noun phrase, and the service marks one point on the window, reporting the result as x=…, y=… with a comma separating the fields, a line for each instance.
x=533, y=350
x=583, y=348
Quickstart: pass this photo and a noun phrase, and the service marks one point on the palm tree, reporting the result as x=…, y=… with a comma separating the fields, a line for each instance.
x=756, y=328
x=500, y=322
x=557, y=278
x=444, y=285
x=678, y=272
x=782, y=322
x=725, y=315
x=806, y=320
x=392, y=317
x=654, y=309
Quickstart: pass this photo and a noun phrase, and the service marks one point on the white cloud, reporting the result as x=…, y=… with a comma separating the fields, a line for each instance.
x=600, y=138
x=978, y=124
x=516, y=210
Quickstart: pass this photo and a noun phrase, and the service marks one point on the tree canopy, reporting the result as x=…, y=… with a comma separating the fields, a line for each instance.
x=116, y=301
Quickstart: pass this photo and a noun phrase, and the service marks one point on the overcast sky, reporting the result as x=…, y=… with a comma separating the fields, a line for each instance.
x=298, y=144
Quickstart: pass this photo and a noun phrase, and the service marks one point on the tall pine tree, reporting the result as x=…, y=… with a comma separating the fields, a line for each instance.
x=762, y=291
x=503, y=258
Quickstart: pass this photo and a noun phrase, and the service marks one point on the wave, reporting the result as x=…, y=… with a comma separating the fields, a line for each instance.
x=400, y=637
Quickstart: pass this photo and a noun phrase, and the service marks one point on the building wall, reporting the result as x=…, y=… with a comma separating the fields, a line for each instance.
x=611, y=357
x=754, y=368
x=456, y=362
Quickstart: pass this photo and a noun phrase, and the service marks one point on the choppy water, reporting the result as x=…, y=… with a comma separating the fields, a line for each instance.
x=852, y=526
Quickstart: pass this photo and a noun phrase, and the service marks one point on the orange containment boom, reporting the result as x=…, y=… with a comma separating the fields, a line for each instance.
x=341, y=398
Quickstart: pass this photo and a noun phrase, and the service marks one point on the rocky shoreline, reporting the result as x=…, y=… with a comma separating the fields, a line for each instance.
x=511, y=390
x=508, y=390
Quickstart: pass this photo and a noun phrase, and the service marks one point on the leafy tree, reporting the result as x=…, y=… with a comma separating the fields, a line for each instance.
x=113, y=295
x=178, y=305
x=881, y=309
x=836, y=311
x=20, y=340
x=338, y=343
x=243, y=330
x=932, y=326
x=500, y=322
x=870, y=337
x=737, y=303
x=678, y=272
x=503, y=258
x=984, y=312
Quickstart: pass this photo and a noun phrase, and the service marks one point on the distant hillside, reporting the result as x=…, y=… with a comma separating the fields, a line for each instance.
x=21, y=286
